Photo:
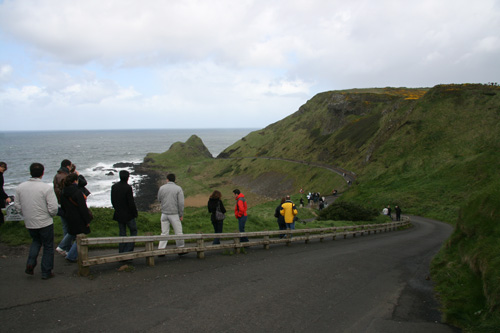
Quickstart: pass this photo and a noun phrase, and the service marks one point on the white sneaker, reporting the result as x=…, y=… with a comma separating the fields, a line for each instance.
x=61, y=251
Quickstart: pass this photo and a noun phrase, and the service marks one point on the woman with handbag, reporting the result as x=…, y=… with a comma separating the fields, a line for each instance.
x=217, y=210
x=76, y=212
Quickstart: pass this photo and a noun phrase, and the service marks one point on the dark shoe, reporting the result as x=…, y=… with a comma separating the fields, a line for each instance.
x=29, y=269
x=71, y=260
x=161, y=256
x=181, y=254
x=46, y=277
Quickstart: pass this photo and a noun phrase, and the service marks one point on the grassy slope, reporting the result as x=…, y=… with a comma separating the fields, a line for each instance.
x=442, y=153
x=466, y=271
x=431, y=156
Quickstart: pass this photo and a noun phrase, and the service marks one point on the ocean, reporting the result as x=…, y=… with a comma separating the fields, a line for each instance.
x=94, y=152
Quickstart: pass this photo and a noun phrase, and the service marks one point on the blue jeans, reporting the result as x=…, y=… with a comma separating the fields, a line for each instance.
x=290, y=226
x=73, y=252
x=64, y=223
x=42, y=237
x=217, y=229
x=282, y=226
x=132, y=226
x=241, y=225
x=65, y=243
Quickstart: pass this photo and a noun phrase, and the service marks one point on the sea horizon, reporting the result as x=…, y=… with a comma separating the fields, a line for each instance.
x=129, y=129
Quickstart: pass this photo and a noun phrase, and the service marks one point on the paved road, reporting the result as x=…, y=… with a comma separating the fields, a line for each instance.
x=375, y=283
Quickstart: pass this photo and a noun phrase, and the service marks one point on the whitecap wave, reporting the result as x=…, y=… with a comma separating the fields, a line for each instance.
x=101, y=177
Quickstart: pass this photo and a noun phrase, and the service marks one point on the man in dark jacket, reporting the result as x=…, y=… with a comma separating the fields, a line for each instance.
x=4, y=198
x=122, y=199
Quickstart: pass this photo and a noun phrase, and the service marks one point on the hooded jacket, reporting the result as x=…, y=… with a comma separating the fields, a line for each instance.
x=75, y=210
x=288, y=210
x=122, y=199
x=240, y=209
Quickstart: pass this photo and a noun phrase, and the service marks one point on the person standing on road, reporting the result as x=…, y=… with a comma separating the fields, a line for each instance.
x=289, y=211
x=389, y=210
x=4, y=198
x=122, y=199
x=171, y=198
x=397, y=209
x=215, y=207
x=65, y=244
x=76, y=213
x=240, y=212
x=66, y=169
x=280, y=218
x=37, y=202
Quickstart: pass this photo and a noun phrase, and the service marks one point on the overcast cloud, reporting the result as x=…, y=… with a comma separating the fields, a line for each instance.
x=214, y=64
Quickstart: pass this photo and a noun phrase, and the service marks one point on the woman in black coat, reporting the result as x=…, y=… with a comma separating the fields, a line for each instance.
x=215, y=204
x=76, y=212
x=280, y=218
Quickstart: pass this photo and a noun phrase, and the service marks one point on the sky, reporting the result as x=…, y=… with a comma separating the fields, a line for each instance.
x=130, y=64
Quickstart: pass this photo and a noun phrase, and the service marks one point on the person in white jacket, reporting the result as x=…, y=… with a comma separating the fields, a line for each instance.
x=37, y=202
x=171, y=198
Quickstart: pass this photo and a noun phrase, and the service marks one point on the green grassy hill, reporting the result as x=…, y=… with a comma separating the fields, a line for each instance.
x=427, y=151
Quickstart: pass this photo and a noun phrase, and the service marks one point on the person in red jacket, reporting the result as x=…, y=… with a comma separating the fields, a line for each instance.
x=240, y=211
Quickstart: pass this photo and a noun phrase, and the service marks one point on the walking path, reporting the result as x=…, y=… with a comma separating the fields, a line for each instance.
x=364, y=284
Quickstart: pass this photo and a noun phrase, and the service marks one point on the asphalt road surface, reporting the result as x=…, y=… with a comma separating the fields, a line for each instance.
x=373, y=283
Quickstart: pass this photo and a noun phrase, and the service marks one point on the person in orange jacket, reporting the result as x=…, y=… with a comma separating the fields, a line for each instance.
x=240, y=211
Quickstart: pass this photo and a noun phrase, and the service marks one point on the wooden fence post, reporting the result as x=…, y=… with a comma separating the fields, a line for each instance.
x=266, y=242
x=149, y=246
x=236, y=244
x=201, y=248
x=83, y=254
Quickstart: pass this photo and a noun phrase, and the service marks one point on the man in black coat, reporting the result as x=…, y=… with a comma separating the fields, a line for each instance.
x=122, y=199
x=4, y=198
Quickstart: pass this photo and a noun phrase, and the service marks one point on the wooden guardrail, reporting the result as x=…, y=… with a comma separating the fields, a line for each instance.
x=264, y=238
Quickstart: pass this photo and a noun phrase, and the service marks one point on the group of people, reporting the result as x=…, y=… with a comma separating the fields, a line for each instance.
x=171, y=199
x=40, y=202
x=388, y=211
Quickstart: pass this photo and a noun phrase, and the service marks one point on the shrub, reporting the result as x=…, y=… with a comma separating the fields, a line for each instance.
x=347, y=211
